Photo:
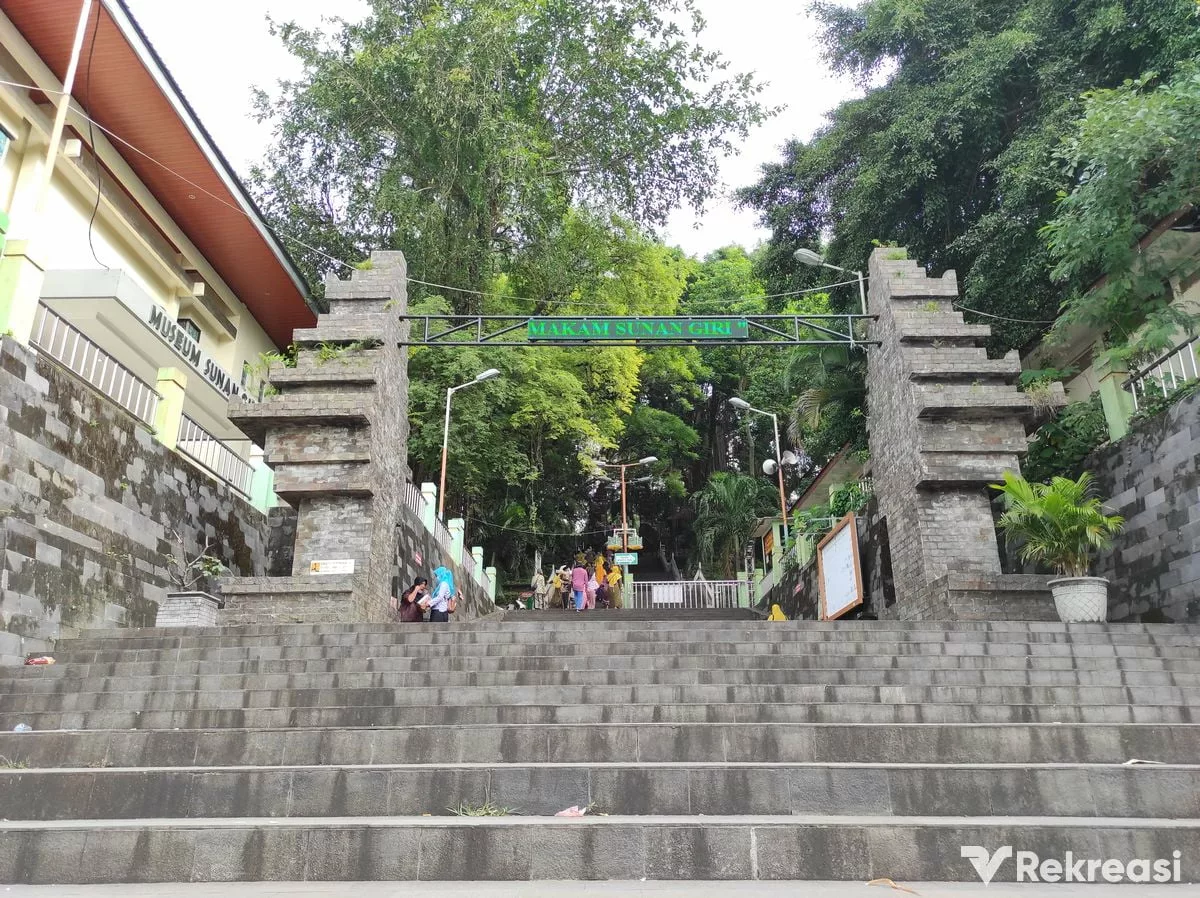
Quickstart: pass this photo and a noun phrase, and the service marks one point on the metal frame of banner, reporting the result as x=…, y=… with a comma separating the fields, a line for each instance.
x=764, y=330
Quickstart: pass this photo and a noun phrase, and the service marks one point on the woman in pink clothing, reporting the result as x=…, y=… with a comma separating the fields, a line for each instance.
x=579, y=584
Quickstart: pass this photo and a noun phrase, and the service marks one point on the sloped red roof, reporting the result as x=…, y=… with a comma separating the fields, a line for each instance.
x=130, y=92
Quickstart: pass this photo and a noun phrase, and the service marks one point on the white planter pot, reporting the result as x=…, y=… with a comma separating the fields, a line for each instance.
x=1081, y=599
x=189, y=609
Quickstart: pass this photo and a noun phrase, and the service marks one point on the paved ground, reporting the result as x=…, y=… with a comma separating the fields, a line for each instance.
x=598, y=890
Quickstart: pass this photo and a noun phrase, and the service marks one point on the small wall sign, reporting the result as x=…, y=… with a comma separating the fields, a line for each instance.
x=335, y=566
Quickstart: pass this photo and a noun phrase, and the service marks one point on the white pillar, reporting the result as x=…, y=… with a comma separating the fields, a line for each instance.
x=429, y=494
x=458, y=529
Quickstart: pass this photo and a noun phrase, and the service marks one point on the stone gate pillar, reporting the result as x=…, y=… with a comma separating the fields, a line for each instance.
x=336, y=435
x=945, y=421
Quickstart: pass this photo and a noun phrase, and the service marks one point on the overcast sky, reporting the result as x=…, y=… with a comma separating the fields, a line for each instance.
x=222, y=50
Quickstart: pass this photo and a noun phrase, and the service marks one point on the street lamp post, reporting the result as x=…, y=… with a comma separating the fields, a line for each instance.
x=744, y=406
x=648, y=460
x=625, y=466
x=479, y=378
x=808, y=257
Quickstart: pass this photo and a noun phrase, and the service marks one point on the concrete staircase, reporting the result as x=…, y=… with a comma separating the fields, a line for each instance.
x=708, y=749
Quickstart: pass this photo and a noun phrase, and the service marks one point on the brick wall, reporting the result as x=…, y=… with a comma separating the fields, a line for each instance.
x=87, y=497
x=1152, y=477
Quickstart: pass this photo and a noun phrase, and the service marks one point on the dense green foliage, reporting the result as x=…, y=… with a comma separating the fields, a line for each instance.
x=1060, y=446
x=517, y=151
x=462, y=131
x=1135, y=162
x=520, y=152
x=954, y=154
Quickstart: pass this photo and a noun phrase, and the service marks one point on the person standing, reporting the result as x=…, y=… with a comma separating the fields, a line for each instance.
x=615, y=598
x=579, y=584
x=538, y=585
x=442, y=603
x=410, y=602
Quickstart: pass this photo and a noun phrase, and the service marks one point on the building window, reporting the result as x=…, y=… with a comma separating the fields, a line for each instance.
x=5, y=139
x=190, y=328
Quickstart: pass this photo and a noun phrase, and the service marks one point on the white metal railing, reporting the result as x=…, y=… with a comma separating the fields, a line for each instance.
x=414, y=500
x=75, y=352
x=768, y=581
x=442, y=534
x=468, y=565
x=210, y=453
x=485, y=581
x=1165, y=374
x=687, y=594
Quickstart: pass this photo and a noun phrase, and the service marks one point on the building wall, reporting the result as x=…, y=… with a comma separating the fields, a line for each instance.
x=132, y=234
x=87, y=501
x=1152, y=477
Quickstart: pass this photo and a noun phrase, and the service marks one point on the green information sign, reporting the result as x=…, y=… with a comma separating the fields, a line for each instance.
x=584, y=329
x=625, y=558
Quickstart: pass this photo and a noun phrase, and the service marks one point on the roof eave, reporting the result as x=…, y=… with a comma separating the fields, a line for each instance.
x=171, y=91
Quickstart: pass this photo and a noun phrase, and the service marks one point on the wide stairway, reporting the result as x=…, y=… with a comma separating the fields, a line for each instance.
x=718, y=748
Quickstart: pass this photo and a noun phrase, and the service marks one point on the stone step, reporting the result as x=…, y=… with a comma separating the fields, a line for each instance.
x=574, y=694
x=552, y=621
x=846, y=653
x=413, y=635
x=569, y=674
x=809, y=847
x=534, y=713
x=968, y=790
x=866, y=665
x=1015, y=743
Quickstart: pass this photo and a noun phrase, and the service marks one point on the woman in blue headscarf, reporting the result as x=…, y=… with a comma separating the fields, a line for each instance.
x=443, y=597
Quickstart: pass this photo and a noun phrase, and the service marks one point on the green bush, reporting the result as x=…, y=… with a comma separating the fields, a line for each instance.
x=1061, y=444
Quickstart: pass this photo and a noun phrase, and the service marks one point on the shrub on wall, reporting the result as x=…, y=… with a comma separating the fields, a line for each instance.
x=1062, y=443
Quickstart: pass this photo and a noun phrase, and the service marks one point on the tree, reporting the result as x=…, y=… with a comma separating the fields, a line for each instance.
x=462, y=131
x=728, y=508
x=1136, y=171
x=952, y=154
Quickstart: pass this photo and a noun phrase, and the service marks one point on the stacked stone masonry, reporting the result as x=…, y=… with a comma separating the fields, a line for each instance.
x=88, y=499
x=945, y=421
x=1152, y=478
x=336, y=435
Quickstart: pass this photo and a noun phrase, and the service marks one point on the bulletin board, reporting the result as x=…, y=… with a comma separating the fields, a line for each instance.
x=839, y=573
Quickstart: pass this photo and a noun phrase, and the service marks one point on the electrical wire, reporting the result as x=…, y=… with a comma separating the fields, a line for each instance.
x=92, y=144
x=963, y=308
x=535, y=532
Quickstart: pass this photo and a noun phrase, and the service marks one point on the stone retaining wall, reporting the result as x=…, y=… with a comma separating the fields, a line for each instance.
x=87, y=500
x=1152, y=477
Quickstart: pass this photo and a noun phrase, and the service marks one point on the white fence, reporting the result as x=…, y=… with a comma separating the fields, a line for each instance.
x=1166, y=374
x=414, y=500
x=210, y=453
x=687, y=594
x=71, y=349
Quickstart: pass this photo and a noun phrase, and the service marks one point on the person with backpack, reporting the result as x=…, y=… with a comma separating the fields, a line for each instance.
x=443, y=602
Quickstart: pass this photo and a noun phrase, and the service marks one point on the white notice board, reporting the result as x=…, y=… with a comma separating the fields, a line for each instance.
x=838, y=572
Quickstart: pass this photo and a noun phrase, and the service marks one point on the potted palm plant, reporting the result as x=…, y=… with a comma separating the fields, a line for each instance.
x=1062, y=524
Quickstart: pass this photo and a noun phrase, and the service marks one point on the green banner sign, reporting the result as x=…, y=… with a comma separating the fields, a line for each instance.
x=603, y=329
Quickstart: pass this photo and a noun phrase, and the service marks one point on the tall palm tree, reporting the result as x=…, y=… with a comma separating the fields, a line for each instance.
x=830, y=385
x=727, y=509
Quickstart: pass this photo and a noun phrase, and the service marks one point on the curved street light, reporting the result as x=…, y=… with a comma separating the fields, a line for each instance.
x=479, y=378
x=743, y=406
x=807, y=257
